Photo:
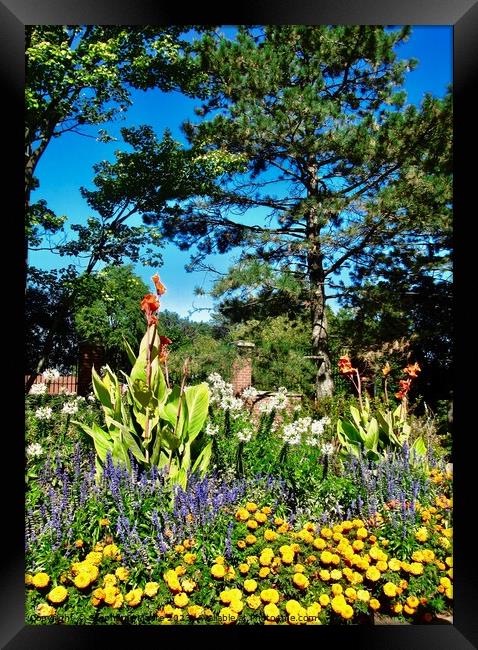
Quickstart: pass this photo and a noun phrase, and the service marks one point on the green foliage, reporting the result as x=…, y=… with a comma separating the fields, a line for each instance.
x=158, y=425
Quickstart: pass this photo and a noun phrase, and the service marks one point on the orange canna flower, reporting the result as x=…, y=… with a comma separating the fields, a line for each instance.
x=345, y=365
x=412, y=370
x=163, y=351
x=150, y=304
x=160, y=288
x=386, y=370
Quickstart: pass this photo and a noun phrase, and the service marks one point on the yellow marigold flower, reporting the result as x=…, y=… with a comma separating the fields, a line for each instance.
x=265, y=559
x=324, y=575
x=417, y=556
x=28, y=578
x=428, y=555
x=218, y=571
x=253, y=601
x=179, y=548
x=416, y=568
x=449, y=561
x=151, y=589
x=189, y=558
x=252, y=524
x=311, y=559
x=260, y=517
x=335, y=559
x=441, y=565
x=251, y=506
x=361, y=533
x=421, y=535
x=412, y=601
x=347, y=612
x=351, y=594
x=95, y=601
x=299, y=568
x=373, y=574
x=408, y=610
x=389, y=589
x=394, y=564
x=374, y=553
x=57, y=595
x=228, y=616
x=292, y=606
x=195, y=611
x=271, y=611
x=242, y=514
x=270, y=595
x=326, y=557
x=109, y=579
x=180, y=570
x=324, y=600
x=82, y=580
x=40, y=580
x=110, y=550
x=338, y=602
x=110, y=594
x=133, y=597
x=449, y=592
x=244, y=568
x=278, y=521
x=264, y=572
x=230, y=573
x=326, y=532
x=357, y=545
x=250, y=586
x=188, y=585
x=397, y=608
x=270, y=535
x=363, y=595
x=336, y=589
x=444, y=542
x=43, y=609
x=99, y=546
x=450, y=573
x=236, y=605
x=181, y=600
x=122, y=573
x=374, y=604
x=288, y=558
x=95, y=557
x=187, y=544
x=313, y=610
x=300, y=580
x=382, y=565
x=373, y=538
x=252, y=559
x=336, y=574
x=448, y=532
x=251, y=539
x=276, y=562
x=319, y=543
x=356, y=578
x=305, y=536
x=79, y=543
x=241, y=543
x=283, y=529
x=445, y=582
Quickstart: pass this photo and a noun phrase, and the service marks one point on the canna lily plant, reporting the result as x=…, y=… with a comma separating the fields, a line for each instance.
x=157, y=424
x=383, y=431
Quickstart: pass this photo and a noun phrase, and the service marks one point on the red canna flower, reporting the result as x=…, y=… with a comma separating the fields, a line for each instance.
x=163, y=351
x=345, y=366
x=412, y=370
x=404, y=388
x=160, y=288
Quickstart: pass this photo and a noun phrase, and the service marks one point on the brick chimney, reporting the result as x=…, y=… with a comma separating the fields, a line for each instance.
x=90, y=355
x=242, y=366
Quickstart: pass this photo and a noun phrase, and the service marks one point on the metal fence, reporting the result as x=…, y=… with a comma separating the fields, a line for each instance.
x=65, y=384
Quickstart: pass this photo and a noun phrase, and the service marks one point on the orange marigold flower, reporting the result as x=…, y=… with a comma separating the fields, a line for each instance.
x=160, y=288
x=345, y=366
x=412, y=370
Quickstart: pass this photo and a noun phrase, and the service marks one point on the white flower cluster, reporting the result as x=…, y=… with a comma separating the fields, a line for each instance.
x=244, y=435
x=38, y=389
x=211, y=429
x=50, y=374
x=277, y=402
x=305, y=429
x=327, y=449
x=70, y=408
x=221, y=394
x=35, y=449
x=64, y=391
x=249, y=394
x=43, y=413
x=91, y=397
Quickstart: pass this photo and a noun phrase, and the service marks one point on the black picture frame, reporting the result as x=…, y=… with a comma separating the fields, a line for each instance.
x=463, y=16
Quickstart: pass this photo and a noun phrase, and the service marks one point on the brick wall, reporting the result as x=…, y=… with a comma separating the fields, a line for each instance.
x=90, y=355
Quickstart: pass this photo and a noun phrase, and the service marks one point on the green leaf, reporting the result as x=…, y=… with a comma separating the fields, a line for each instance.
x=371, y=437
x=101, y=439
x=197, y=399
x=100, y=390
x=202, y=461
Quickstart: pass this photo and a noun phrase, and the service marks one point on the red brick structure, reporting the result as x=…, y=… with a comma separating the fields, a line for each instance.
x=90, y=355
x=242, y=367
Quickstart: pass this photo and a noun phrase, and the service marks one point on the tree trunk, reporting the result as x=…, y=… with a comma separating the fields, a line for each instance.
x=324, y=383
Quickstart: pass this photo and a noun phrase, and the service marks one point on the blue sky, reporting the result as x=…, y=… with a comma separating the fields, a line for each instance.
x=67, y=164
